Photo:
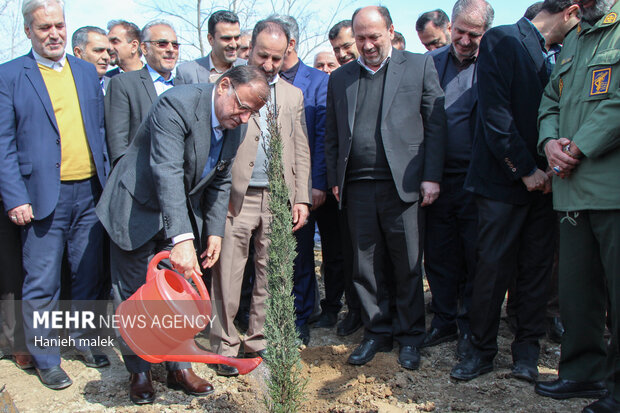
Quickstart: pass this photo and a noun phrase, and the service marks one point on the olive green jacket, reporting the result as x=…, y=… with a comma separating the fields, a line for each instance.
x=582, y=102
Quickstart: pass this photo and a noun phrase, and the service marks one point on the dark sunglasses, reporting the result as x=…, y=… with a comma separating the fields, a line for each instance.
x=163, y=44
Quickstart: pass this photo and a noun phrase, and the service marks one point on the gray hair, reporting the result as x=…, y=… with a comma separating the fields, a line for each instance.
x=29, y=6
x=145, y=33
x=80, y=36
x=466, y=6
x=290, y=23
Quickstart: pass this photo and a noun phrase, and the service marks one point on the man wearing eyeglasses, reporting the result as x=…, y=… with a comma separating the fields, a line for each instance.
x=130, y=95
x=248, y=213
x=170, y=191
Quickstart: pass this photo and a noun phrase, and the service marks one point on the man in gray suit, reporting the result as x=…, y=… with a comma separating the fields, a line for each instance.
x=130, y=95
x=224, y=34
x=384, y=146
x=170, y=191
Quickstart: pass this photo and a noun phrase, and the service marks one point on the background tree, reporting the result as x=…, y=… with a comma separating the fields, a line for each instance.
x=11, y=30
x=190, y=18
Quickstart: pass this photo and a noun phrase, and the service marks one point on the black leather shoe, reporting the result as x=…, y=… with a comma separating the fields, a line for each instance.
x=304, y=333
x=189, y=382
x=463, y=346
x=327, y=320
x=409, y=357
x=226, y=371
x=252, y=354
x=54, y=378
x=471, y=367
x=93, y=357
x=350, y=324
x=525, y=371
x=437, y=336
x=606, y=405
x=555, y=330
x=566, y=389
x=141, y=389
x=366, y=351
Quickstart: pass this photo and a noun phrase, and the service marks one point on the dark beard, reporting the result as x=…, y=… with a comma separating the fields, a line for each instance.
x=596, y=12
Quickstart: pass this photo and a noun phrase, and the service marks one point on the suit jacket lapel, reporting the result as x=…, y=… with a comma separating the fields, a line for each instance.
x=395, y=71
x=34, y=75
x=351, y=88
x=531, y=43
x=202, y=145
x=302, y=80
x=147, y=81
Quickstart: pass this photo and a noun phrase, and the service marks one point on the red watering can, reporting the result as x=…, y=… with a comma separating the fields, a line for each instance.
x=159, y=321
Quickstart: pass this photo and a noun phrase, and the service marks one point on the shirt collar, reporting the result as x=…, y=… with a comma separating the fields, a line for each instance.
x=360, y=60
x=52, y=64
x=275, y=80
x=212, y=65
x=215, y=123
x=159, y=78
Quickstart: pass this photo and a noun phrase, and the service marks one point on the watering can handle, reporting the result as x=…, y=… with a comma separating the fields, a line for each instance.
x=151, y=271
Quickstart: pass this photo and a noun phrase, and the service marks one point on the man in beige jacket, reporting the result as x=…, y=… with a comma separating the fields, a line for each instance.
x=248, y=212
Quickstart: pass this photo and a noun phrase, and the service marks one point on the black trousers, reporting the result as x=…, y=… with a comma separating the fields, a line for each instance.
x=450, y=253
x=513, y=241
x=11, y=280
x=383, y=226
x=337, y=256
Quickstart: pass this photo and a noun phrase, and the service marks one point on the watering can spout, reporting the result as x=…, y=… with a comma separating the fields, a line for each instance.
x=167, y=295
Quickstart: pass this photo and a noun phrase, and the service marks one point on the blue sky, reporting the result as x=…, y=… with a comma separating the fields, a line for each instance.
x=404, y=13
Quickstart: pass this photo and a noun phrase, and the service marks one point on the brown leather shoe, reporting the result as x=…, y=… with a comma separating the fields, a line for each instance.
x=141, y=388
x=189, y=382
x=24, y=361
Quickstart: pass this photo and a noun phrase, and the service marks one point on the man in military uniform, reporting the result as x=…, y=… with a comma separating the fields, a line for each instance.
x=580, y=135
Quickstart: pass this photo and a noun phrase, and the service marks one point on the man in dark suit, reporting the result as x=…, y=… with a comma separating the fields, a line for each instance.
x=384, y=146
x=450, y=240
x=515, y=219
x=223, y=36
x=131, y=95
x=52, y=169
x=171, y=189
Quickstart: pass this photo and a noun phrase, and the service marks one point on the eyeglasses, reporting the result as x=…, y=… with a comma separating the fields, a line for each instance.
x=163, y=44
x=242, y=106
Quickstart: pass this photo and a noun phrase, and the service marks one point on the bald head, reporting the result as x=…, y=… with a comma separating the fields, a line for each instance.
x=373, y=31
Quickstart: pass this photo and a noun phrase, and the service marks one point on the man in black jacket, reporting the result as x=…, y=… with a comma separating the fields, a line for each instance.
x=516, y=219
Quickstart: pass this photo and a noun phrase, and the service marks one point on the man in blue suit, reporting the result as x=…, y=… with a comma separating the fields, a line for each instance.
x=52, y=170
x=313, y=84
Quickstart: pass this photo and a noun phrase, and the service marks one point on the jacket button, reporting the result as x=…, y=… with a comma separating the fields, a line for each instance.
x=256, y=139
x=251, y=164
x=57, y=141
x=346, y=158
x=57, y=165
x=514, y=169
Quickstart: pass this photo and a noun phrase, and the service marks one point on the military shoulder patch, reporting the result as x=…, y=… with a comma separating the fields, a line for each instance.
x=600, y=81
x=610, y=18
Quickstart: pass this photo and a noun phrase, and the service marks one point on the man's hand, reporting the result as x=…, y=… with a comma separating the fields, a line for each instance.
x=183, y=259
x=318, y=198
x=561, y=163
x=300, y=215
x=429, y=191
x=21, y=215
x=537, y=181
x=336, y=193
x=212, y=253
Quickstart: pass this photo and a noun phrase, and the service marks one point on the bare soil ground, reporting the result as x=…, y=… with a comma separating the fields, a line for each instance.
x=333, y=385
